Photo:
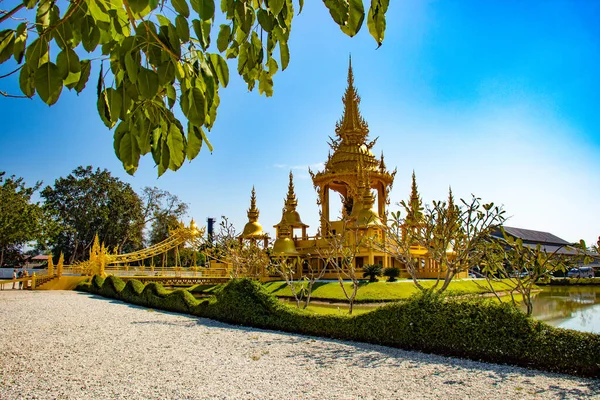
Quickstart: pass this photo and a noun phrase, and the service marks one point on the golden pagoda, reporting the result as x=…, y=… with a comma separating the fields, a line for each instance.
x=363, y=182
x=351, y=153
x=253, y=230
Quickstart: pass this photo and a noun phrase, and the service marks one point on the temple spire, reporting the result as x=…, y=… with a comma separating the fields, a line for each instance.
x=253, y=211
x=352, y=128
x=291, y=201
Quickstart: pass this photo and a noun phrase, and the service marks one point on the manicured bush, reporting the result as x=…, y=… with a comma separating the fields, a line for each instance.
x=372, y=271
x=111, y=287
x=392, y=273
x=480, y=330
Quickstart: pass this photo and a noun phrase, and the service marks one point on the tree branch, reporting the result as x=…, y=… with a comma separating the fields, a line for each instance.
x=10, y=73
x=12, y=95
x=11, y=12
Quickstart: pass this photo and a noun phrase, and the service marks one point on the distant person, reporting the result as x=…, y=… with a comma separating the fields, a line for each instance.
x=14, y=278
x=20, y=275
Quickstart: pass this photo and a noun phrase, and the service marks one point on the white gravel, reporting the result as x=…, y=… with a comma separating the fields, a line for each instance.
x=69, y=345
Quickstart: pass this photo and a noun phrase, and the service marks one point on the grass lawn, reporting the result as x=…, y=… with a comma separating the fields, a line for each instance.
x=385, y=291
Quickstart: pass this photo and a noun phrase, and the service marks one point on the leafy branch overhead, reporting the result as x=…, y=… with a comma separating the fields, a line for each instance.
x=154, y=54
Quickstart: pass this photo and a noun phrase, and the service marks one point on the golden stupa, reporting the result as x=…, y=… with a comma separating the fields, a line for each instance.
x=363, y=182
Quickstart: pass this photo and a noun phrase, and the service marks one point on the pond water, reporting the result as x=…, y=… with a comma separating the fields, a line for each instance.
x=569, y=307
x=575, y=308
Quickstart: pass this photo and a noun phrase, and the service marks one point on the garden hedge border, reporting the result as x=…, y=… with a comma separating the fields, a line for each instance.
x=474, y=329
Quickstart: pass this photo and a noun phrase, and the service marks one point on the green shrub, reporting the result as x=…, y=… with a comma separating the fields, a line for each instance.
x=392, y=273
x=111, y=287
x=372, y=271
x=475, y=329
x=132, y=292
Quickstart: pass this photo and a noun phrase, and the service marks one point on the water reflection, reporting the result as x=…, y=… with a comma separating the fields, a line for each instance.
x=569, y=307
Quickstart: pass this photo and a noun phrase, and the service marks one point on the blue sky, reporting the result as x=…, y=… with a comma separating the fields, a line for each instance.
x=498, y=99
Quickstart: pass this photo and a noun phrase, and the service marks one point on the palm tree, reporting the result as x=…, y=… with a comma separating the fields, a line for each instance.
x=372, y=271
x=392, y=273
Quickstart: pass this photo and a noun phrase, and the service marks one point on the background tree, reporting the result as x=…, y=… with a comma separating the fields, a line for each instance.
x=20, y=219
x=151, y=55
x=163, y=211
x=521, y=266
x=89, y=202
x=454, y=237
x=245, y=258
x=340, y=253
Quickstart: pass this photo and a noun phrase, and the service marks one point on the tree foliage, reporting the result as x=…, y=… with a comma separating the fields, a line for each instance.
x=20, y=219
x=521, y=265
x=163, y=211
x=89, y=202
x=455, y=237
x=151, y=55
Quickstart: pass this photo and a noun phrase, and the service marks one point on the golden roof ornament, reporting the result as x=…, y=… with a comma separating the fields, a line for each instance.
x=291, y=201
x=253, y=229
x=352, y=128
x=290, y=216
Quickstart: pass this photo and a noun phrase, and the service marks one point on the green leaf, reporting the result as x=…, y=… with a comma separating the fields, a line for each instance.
x=67, y=61
x=171, y=95
x=376, y=19
x=205, y=139
x=27, y=81
x=37, y=53
x=162, y=20
x=63, y=34
x=181, y=7
x=48, y=83
x=355, y=18
x=147, y=83
x=86, y=68
x=144, y=133
x=265, y=20
x=224, y=37
x=202, y=30
x=20, y=41
x=176, y=143
x=98, y=11
x=90, y=34
x=30, y=3
x=204, y=8
x=115, y=102
x=194, y=141
x=193, y=105
x=129, y=151
x=104, y=110
x=276, y=6
x=339, y=10
x=220, y=66
x=182, y=28
x=137, y=6
x=132, y=67
x=42, y=15
x=166, y=73
x=265, y=84
x=284, y=54
x=7, y=42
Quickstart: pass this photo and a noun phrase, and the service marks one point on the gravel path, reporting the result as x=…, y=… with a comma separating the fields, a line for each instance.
x=69, y=345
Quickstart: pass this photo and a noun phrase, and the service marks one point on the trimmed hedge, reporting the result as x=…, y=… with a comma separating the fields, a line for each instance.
x=472, y=329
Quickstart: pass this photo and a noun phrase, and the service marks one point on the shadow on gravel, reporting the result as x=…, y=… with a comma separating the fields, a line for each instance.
x=364, y=355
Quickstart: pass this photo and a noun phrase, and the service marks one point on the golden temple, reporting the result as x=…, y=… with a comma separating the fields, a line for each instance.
x=363, y=183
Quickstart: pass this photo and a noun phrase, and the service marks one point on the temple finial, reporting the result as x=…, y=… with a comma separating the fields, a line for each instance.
x=352, y=128
x=253, y=211
x=350, y=74
x=291, y=201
